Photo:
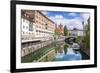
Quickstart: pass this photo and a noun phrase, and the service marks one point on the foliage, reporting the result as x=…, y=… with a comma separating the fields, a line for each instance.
x=65, y=31
x=57, y=31
x=79, y=39
x=85, y=40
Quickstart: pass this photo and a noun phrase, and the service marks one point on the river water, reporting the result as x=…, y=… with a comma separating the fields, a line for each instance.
x=55, y=52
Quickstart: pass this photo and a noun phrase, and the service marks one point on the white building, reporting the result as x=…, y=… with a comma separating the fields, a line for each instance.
x=76, y=32
x=36, y=26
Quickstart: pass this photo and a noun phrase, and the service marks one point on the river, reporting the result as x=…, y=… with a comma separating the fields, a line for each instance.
x=55, y=52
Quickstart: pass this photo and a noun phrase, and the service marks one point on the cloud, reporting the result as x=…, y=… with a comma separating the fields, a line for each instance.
x=58, y=19
x=85, y=16
x=59, y=16
x=45, y=12
x=75, y=23
x=70, y=23
x=72, y=14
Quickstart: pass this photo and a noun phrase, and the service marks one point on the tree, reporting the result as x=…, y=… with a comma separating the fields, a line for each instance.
x=65, y=31
x=87, y=36
x=57, y=31
x=86, y=39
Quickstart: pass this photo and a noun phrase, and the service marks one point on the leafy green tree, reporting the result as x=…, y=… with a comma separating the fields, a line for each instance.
x=86, y=38
x=84, y=41
x=65, y=31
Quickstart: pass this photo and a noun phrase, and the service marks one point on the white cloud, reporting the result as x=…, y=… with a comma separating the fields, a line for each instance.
x=72, y=14
x=59, y=16
x=85, y=16
x=44, y=12
x=71, y=23
x=75, y=23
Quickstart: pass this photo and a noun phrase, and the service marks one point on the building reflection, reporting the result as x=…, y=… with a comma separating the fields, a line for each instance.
x=61, y=52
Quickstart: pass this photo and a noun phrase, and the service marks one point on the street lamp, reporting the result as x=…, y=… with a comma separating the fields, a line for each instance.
x=83, y=27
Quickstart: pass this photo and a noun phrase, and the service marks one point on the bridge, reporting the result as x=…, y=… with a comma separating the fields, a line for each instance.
x=70, y=36
x=70, y=39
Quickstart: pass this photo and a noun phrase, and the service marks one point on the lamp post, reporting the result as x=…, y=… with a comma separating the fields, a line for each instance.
x=83, y=27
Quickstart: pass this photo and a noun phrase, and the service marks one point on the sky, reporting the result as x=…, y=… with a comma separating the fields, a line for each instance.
x=70, y=19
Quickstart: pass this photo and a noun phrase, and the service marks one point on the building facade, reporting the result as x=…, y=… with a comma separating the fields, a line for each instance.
x=76, y=32
x=35, y=25
x=37, y=31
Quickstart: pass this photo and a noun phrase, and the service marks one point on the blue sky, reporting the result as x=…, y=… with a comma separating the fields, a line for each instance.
x=68, y=15
x=70, y=19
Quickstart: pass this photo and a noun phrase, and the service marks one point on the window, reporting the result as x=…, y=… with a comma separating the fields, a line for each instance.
x=23, y=32
x=26, y=27
x=23, y=26
x=23, y=20
x=36, y=21
x=27, y=21
x=46, y=26
x=30, y=26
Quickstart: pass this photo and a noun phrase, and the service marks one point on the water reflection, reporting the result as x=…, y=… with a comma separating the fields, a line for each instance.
x=67, y=54
x=54, y=52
